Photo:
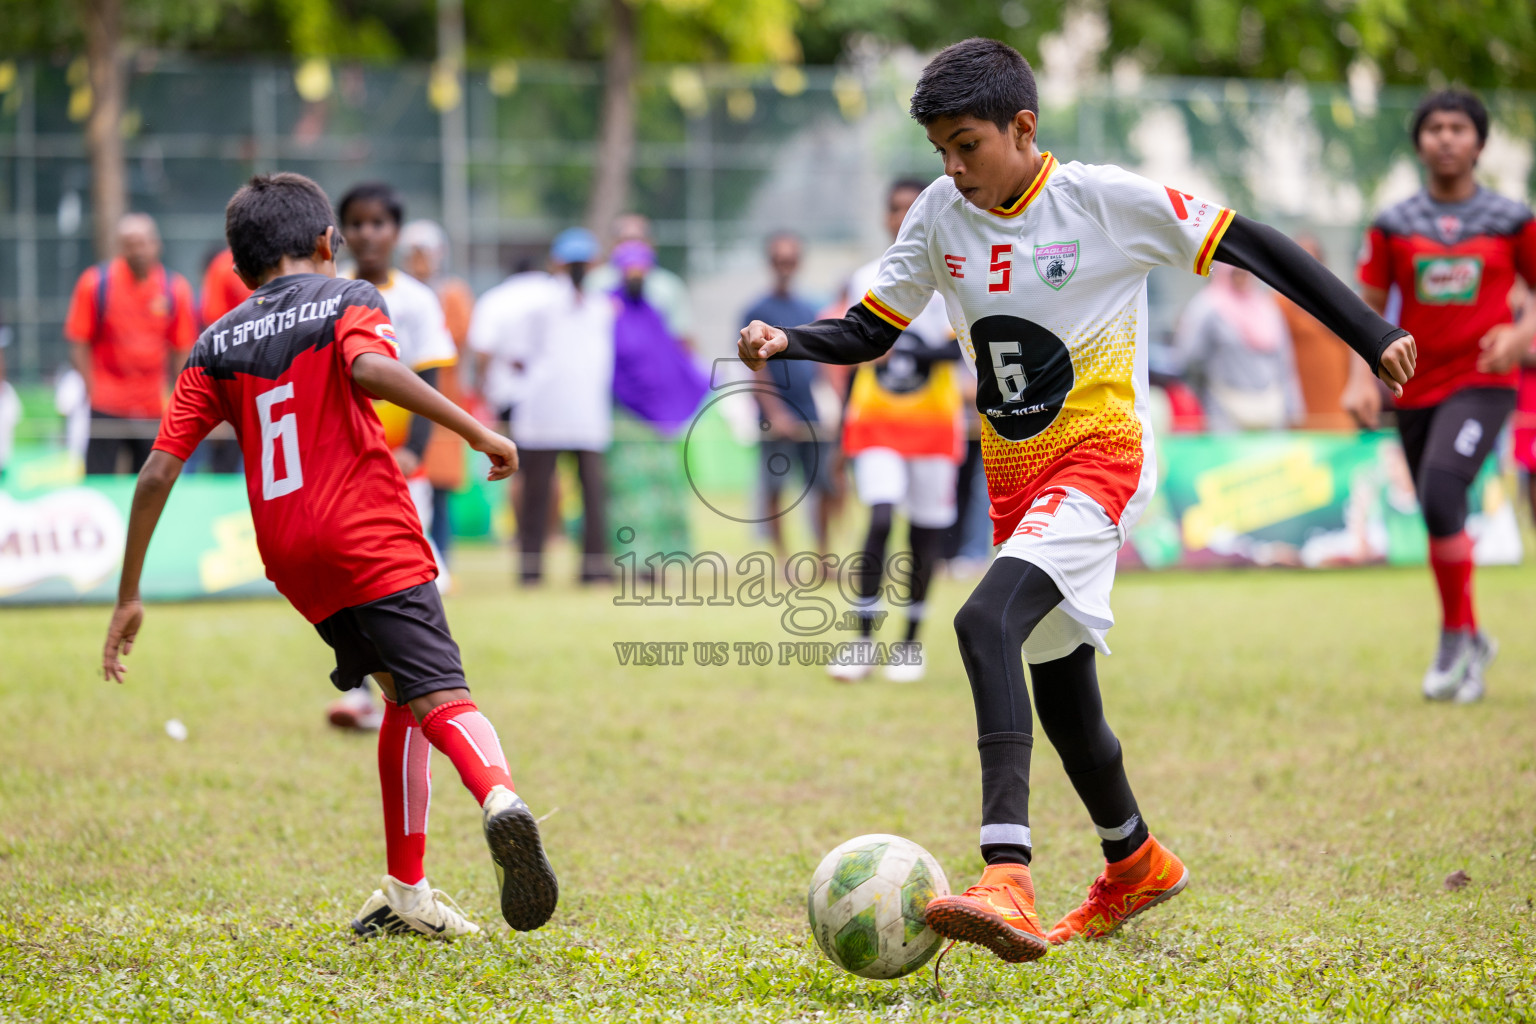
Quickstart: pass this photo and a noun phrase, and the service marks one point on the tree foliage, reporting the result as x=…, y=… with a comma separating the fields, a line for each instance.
x=1482, y=43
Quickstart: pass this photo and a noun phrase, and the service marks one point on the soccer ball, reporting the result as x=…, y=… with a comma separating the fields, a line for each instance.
x=866, y=905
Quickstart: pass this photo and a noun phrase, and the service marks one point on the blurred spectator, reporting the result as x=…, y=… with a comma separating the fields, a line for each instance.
x=498, y=336
x=567, y=405
x=426, y=254
x=904, y=429
x=657, y=388
x=130, y=326
x=371, y=216
x=664, y=290
x=222, y=291
x=1523, y=302
x=792, y=429
x=10, y=402
x=1322, y=359
x=222, y=288
x=1233, y=341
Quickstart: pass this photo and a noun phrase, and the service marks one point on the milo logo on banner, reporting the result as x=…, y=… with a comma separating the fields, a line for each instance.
x=1447, y=280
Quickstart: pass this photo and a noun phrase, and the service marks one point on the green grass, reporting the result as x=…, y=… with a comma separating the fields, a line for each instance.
x=1272, y=728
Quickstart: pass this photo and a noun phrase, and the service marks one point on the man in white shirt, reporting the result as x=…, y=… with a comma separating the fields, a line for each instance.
x=566, y=404
x=498, y=335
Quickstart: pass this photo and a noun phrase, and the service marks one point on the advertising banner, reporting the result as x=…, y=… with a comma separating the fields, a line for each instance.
x=64, y=542
x=1312, y=500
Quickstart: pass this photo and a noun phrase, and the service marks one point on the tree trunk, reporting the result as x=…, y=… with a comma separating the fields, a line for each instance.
x=616, y=143
x=103, y=129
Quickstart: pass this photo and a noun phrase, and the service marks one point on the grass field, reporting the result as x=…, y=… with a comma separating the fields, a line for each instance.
x=1271, y=721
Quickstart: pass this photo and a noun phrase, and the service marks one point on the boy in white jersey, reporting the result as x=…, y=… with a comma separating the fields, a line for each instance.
x=1043, y=268
x=370, y=215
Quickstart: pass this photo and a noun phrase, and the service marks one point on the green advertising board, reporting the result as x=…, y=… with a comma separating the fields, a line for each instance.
x=63, y=541
x=1311, y=500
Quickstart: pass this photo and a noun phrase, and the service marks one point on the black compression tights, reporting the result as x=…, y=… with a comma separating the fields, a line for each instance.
x=992, y=626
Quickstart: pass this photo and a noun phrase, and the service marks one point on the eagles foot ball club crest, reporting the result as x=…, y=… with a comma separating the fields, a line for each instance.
x=1056, y=263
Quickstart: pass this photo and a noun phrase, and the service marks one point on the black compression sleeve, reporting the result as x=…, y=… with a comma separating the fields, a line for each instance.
x=856, y=338
x=420, y=430
x=1290, y=270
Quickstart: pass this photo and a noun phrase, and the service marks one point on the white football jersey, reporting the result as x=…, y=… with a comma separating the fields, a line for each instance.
x=1048, y=298
x=417, y=314
x=422, y=339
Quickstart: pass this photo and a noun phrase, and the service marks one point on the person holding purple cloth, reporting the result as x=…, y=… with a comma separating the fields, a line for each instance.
x=657, y=389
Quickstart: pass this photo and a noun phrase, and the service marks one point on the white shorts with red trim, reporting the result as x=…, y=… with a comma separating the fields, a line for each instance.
x=1071, y=537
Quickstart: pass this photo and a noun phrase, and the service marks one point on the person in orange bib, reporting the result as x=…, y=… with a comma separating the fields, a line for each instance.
x=904, y=431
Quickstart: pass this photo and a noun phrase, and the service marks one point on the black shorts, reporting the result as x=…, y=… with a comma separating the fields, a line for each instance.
x=1455, y=436
x=404, y=634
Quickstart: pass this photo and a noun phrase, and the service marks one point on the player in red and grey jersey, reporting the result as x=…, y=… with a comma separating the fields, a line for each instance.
x=294, y=369
x=1453, y=252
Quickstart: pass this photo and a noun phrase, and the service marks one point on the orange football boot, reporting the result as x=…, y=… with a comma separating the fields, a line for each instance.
x=1126, y=888
x=997, y=912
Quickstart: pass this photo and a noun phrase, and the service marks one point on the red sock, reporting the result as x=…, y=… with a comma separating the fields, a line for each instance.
x=1451, y=560
x=459, y=730
x=405, y=778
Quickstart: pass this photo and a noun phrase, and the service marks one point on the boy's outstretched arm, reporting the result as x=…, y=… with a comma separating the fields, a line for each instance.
x=390, y=380
x=155, y=482
x=1290, y=270
x=857, y=337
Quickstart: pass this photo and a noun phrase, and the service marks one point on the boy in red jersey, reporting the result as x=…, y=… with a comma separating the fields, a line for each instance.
x=294, y=369
x=1453, y=252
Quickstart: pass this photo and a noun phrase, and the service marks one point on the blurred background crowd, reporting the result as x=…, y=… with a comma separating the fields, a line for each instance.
x=595, y=198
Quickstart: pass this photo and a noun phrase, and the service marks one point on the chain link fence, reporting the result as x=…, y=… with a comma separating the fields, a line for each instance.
x=724, y=156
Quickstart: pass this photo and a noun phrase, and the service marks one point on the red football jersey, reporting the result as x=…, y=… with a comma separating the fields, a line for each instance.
x=132, y=339
x=334, y=520
x=1454, y=265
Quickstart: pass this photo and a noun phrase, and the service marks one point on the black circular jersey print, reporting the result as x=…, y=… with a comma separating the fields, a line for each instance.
x=908, y=366
x=1023, y=375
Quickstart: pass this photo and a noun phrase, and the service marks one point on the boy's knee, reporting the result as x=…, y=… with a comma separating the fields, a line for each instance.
x=1443, y=497
x=973, y=619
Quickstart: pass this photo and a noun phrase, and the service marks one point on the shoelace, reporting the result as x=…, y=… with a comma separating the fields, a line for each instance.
x=1099, y=890
x=938, y=985
x=449, y=905
x=979, y=891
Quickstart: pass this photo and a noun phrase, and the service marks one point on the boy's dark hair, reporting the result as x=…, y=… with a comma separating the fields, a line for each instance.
x=272, y=216
x=376, y=191
x=980, y=78
x=905, y=185
x=1452, y=100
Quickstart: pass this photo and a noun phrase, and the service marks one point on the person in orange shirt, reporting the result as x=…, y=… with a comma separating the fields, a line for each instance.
x=426, y=252
x=222, y=288
x=1322, y=358
x=222, y=291
x=130, y=326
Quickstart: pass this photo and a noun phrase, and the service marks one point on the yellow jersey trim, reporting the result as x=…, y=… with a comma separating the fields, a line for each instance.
x=1212, y=240
x=1035, y=187
x=885, y=312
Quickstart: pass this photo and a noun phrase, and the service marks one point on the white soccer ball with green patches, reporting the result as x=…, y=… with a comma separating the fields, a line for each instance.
x=866, y=905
